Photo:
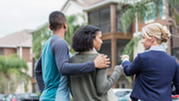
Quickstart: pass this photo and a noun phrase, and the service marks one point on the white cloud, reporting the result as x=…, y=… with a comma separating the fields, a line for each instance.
x=16, y=15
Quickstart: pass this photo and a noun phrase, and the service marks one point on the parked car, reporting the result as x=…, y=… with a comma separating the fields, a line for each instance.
x=125, y=98
x=23, y=97
x=3, y=97
x=175, y=97
x=122, y=94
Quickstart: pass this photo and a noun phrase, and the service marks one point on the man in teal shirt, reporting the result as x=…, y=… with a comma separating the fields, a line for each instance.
x=53, y=63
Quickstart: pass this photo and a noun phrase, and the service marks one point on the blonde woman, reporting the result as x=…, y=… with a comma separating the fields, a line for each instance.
x=155, y=69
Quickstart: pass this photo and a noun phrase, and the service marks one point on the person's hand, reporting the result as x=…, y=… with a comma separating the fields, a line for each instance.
x=121, y=66
x=124, y=57
x=101, y=61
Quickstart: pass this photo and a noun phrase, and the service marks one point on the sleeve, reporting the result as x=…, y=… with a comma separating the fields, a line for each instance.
x=38, y=75
x=131, y=68
x=176, y=79
x=104, y=83
x=61, y=54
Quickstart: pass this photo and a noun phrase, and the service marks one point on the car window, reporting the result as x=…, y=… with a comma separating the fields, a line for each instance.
x=121, y=93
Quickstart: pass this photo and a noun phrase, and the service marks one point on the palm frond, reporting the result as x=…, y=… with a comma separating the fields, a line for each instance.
x=176, y=16
x=139, y=8
x=174, y=3
x=129, y=49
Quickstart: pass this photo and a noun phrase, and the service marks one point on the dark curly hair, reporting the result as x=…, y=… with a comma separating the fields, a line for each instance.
x=83, y=38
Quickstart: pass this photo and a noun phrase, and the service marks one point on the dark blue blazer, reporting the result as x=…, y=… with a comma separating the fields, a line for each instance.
x=155, y=72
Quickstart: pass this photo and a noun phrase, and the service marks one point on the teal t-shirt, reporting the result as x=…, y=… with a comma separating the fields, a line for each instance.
x=56, y=88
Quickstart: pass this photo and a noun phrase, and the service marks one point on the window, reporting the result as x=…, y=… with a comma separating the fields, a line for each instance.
x=118, y=22
x=151, y=14
x=174, y=42
x=175, y=52
x=101, y=19
x=94, y=18
x=122, y=84
x=105, y=20
x=162, y=9
x=106, y=49
x=120, y=47
x=1, y=51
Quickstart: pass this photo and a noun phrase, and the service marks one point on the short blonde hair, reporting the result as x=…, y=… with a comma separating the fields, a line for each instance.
x=155, y=29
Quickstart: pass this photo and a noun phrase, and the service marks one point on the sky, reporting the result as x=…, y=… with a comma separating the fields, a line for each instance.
x=17, y=15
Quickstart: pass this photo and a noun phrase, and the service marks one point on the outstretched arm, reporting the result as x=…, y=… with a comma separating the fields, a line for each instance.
x=38, y=75
x=104, y=83
x=61, y=53
x=130, y=68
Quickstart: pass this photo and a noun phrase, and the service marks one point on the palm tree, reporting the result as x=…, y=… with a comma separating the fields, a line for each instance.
x=174, y=18
x=140, y=9
x=12, y=73
x=41, y=35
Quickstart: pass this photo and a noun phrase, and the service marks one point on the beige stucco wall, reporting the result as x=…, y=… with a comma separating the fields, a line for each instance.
x=72, y=8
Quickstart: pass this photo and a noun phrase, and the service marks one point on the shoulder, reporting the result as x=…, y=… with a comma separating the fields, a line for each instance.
x=143, y=56
x=57, y=41
x=156, y=55
x=148, y=54
x=174, y=59
x=83, y=57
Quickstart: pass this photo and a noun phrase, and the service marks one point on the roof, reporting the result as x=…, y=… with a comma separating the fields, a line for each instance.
x=18, y=39
x=88, y=5
x=83, y=3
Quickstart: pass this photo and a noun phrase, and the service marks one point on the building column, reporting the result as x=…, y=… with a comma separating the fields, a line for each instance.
x=169, y=47
x=113, y=17
x=114, y=52
x=113, y=40
x=20, y=52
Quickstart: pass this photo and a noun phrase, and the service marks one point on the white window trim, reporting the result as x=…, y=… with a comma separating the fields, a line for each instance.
x=149, y=21
x=147, y=13
x=164, y=8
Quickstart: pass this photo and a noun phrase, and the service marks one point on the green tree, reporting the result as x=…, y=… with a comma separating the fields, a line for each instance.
x=129, y=48
x=39, y=38
x=140, y=8
x=73, y=25
x=12, y=73
x=174, y=19
x=41, y=35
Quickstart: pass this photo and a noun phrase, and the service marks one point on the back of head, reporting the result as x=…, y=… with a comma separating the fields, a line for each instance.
x=83, y=38
x=161, y=33
x=56, y=20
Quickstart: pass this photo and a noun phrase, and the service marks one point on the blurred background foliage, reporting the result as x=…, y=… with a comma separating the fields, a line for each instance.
x=12, y=73
x=140, y=8
x=41, y=35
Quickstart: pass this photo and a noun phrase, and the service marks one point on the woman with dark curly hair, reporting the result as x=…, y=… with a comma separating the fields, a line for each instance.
x=92, y=86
